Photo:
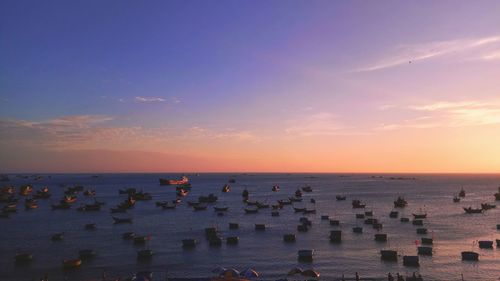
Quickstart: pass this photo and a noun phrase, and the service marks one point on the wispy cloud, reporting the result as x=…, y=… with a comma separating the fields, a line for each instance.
x=318, y=124
x=96, y=132
x=149, y=99
x=406, y=54
x=495, y=55
x=450, y=114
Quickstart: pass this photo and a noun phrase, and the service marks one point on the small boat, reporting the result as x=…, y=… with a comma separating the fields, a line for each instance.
x=485, y=244
x=340, y=197
x=169, y=206
x=470, y=256
x=86, y=254
x=276, y=188
x=307, y=189
x=461, y=193
x=389, y=255
x=400, y=202
x=226, y=188
x=251, y=211
x=420, y=216
x=260, y=226
x=380, y=237
x=144, y=255
x=299, y=209
x=356, y=204
x=189, y=243
x=289, y=238
x=233, y=225
x=426, y=241
x=138, y=240
x=357, y=229
x=422, y=230
x=411, y=261
x=211, y=198
x=128, y=235
x=122, y=220
x=69, y=199
x=30, y=204
x=61, y=206
x=309, y=211
x=26, y=190
x=221, y=209
x=284, y=202
x=336, y=236
x=470, y=210
x=456, y=199
x=69, y=264
x=142, y=196
x=298, y=193
x=89, y=192
x=394, y=214
x=182, y=192
x=200, y=207
x=245, y=193
x=57, y=236
x=487, y=206
x=129, y=191
x=90, y=226
x=262, y=205
x=305, y=255
x=183, y=180
x=23, y=258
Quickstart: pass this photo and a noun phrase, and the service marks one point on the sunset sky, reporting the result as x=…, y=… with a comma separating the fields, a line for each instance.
x=260, y=86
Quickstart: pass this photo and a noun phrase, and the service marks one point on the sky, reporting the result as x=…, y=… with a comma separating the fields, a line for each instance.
x=250, y=86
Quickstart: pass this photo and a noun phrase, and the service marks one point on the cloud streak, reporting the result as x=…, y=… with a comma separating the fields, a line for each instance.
x=450, y=114
x=149, y=99
x=405, y=54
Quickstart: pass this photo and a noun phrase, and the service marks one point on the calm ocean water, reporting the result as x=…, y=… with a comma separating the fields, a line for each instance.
x=453, y=230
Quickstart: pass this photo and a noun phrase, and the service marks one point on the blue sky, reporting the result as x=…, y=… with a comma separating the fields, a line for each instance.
x=244, y=68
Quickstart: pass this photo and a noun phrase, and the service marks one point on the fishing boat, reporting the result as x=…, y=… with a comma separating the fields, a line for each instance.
x=289, y=237
x=251, y=210
x=141, y=239
x=30, y=204
x=307, y=189
x=470, y=210
x=70, y=264
x=89, y=192
x=487, y=206
x=485, y=244
x=86, y=254
x=245, y=193
x=389, y=255
x=420, y=216
x=182, y=192
x=221, y=209
x=122, y=220
x=299, y=209
x=400, y=202
x=183, y=180
x=25, y=190
x=141, y=196
x=456, y=199
x=42, y=194
x=200, y=207
x=23, y=258
x=128, y=235
x=145, y=254
x=298, y=193
x=309, y=211
x=69, y=199
x=470, y=256
x=262, y=205
x=305, y=255
x=461, y=193
x=61, y=206
x=340, y=197
x=169, y=206
x=226, y=188
x=411, y=261
x=356, y=204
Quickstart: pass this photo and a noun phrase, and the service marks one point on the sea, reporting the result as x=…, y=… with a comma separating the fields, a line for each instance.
x=452, y=230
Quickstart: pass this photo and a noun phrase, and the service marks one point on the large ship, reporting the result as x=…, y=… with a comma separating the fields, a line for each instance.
x=183, y=180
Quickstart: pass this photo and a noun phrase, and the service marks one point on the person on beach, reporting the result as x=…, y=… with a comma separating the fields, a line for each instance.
x=357, y=276
x=399, y=277
x=389, y=277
